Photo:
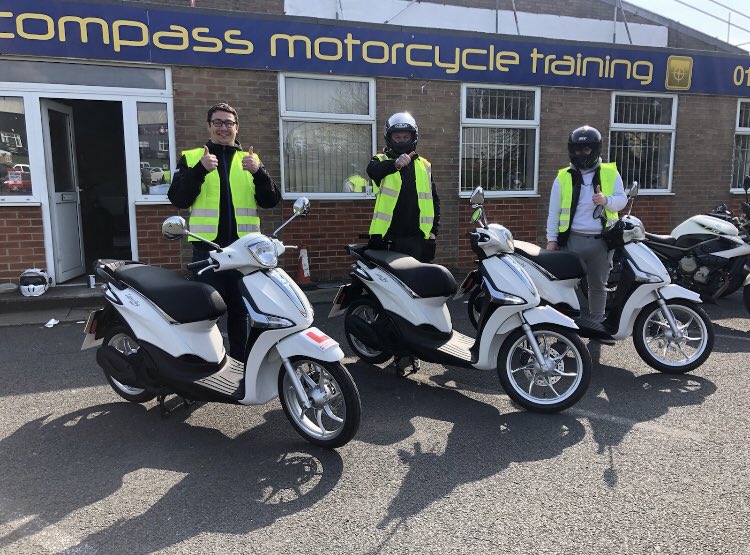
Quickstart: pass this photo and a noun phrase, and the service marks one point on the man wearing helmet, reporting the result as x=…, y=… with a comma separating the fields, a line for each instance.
x=407, y=207
x=574, y=223
x=223, y=185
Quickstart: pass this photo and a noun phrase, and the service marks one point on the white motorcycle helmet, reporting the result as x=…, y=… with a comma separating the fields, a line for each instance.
x=34, y=282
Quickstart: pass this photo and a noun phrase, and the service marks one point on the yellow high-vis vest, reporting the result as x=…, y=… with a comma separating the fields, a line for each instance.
x=358, y=183
x=607, y=176
x=387, y=196
x=204, y=213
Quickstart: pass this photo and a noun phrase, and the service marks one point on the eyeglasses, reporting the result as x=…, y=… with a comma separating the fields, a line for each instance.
x=223, y=123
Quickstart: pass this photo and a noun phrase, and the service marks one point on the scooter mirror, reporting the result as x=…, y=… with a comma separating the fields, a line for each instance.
x=598, y=211
x=477, y=197
x=301, y=206
x=633, y=191
x=477, y=215
x=174, y=228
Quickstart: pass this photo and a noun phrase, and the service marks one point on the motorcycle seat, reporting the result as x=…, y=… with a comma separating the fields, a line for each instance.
x=663, y=239
x=561, y=264
x=426, y=280
x=182, y=300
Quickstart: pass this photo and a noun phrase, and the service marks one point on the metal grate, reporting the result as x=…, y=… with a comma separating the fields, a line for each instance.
x=740, y=160
x=643, y=110
x=642, y=156
x=318, y=157
x=499, y=104
x=498, y=159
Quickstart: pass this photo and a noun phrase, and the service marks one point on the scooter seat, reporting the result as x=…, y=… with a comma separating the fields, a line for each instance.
x=663, y=239
x=561, y=264
x=426, y=280
x=182, y=300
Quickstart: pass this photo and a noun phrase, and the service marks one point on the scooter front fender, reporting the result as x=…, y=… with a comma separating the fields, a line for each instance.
x=311, y=343
x=548, y=315
x=673, y=291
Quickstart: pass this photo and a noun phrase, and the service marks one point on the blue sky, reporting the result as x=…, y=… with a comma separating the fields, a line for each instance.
x=705, y=23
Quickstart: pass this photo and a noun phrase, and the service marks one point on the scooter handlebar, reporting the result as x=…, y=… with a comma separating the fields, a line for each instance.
x=199, y=264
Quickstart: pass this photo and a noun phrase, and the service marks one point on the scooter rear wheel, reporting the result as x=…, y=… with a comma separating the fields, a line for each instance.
x=120, y=340
x=655, y=344
x=368, y=311
x=531, y=386
x=334, y=416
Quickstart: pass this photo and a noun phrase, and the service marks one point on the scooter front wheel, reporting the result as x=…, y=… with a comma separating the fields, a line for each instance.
x=334, y=413
x=547, y=386
x=477, y=300
x=667, y=352
x=746, y=297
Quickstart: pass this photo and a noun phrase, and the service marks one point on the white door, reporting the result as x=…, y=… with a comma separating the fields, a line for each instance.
x=62, y=187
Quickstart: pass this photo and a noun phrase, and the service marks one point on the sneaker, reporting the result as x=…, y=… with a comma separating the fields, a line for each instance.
x=604, y=340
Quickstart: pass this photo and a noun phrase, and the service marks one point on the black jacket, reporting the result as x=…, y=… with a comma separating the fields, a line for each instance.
x=406, y=213
x=187, y=183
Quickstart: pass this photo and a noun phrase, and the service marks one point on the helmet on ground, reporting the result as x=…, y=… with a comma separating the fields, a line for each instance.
x=584, y=137
x=401, y=121
x=33, y=282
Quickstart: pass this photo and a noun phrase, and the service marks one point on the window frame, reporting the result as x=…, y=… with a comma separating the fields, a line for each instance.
x=738, y=131
x=324, y=117
x=495, y=123
x=661, y=128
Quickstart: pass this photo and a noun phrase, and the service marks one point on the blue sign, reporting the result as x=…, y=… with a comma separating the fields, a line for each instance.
x=216, y=39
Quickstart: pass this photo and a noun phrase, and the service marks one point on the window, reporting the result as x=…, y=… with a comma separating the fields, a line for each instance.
x=327, y=134
x=15, y=171
x=153, y=147
x=741, y=155
x=641, y=139
x=499, y=139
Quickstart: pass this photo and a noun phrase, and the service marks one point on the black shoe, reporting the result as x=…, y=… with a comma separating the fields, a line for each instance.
x=604, y=340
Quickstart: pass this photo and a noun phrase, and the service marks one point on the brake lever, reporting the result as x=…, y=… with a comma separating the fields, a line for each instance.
x=207, y=268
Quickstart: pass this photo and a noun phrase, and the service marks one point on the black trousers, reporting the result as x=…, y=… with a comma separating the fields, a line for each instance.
x=228, y=285
x=420, y=248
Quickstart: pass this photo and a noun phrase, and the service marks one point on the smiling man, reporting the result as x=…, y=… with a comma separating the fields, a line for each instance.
x=223, y=185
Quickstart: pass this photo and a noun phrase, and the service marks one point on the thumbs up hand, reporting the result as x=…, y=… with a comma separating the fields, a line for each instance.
x=598, y=198
x=209, y=161
x=251, y=162
x=404, y=160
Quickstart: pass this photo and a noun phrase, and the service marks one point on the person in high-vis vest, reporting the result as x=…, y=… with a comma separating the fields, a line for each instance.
x=406, y=217
x=571, y=223
x=223, y=186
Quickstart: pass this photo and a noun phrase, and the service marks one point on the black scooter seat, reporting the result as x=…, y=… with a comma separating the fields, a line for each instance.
x=182, y=300
x=426, y=280
x=561, y=264
x=663, y=239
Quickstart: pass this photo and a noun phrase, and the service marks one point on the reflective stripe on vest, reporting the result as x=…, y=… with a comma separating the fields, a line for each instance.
x=204, y=213
x=387, y=196
x=607, y=176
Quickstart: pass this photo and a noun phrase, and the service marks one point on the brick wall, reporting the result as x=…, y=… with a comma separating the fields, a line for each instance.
x=21, y=241
x=153, y=248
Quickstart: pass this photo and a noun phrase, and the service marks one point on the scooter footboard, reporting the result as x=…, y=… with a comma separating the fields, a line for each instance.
x=312, y=343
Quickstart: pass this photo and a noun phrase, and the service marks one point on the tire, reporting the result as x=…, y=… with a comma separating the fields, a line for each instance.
x=475, y=305
x=368, y=311
x=334, y=417
x=651, y=337
x=542, y=391
x=746, y=297
x=121, y=340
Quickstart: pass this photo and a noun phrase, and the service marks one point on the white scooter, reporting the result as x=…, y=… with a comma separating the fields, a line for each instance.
x=157, y=336
x=396, y=306
x=670, y=332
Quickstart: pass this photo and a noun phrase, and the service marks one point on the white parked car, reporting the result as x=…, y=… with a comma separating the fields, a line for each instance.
x=22, y=167
x=157, y=174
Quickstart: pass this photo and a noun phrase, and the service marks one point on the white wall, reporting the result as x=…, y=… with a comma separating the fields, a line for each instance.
x=438, y=16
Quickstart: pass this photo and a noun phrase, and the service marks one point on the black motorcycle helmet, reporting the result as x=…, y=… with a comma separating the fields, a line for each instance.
x=401, y=121
x=585, y=136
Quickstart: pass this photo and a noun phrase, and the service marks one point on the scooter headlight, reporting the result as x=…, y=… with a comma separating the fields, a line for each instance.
x=264, y=251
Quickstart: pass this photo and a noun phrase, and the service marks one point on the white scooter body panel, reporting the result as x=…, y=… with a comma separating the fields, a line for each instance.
x=150, y=324
x=742, y=249
x=509, y=277
x=553, y=291
x=645, y=259
x=702, y=224
x=395, y=298
x=276, y=294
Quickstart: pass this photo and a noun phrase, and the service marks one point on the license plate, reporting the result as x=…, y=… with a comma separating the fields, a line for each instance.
x=338, y=301
x=89, y=330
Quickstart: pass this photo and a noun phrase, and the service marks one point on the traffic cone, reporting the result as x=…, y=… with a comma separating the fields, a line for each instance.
x=303, y=269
